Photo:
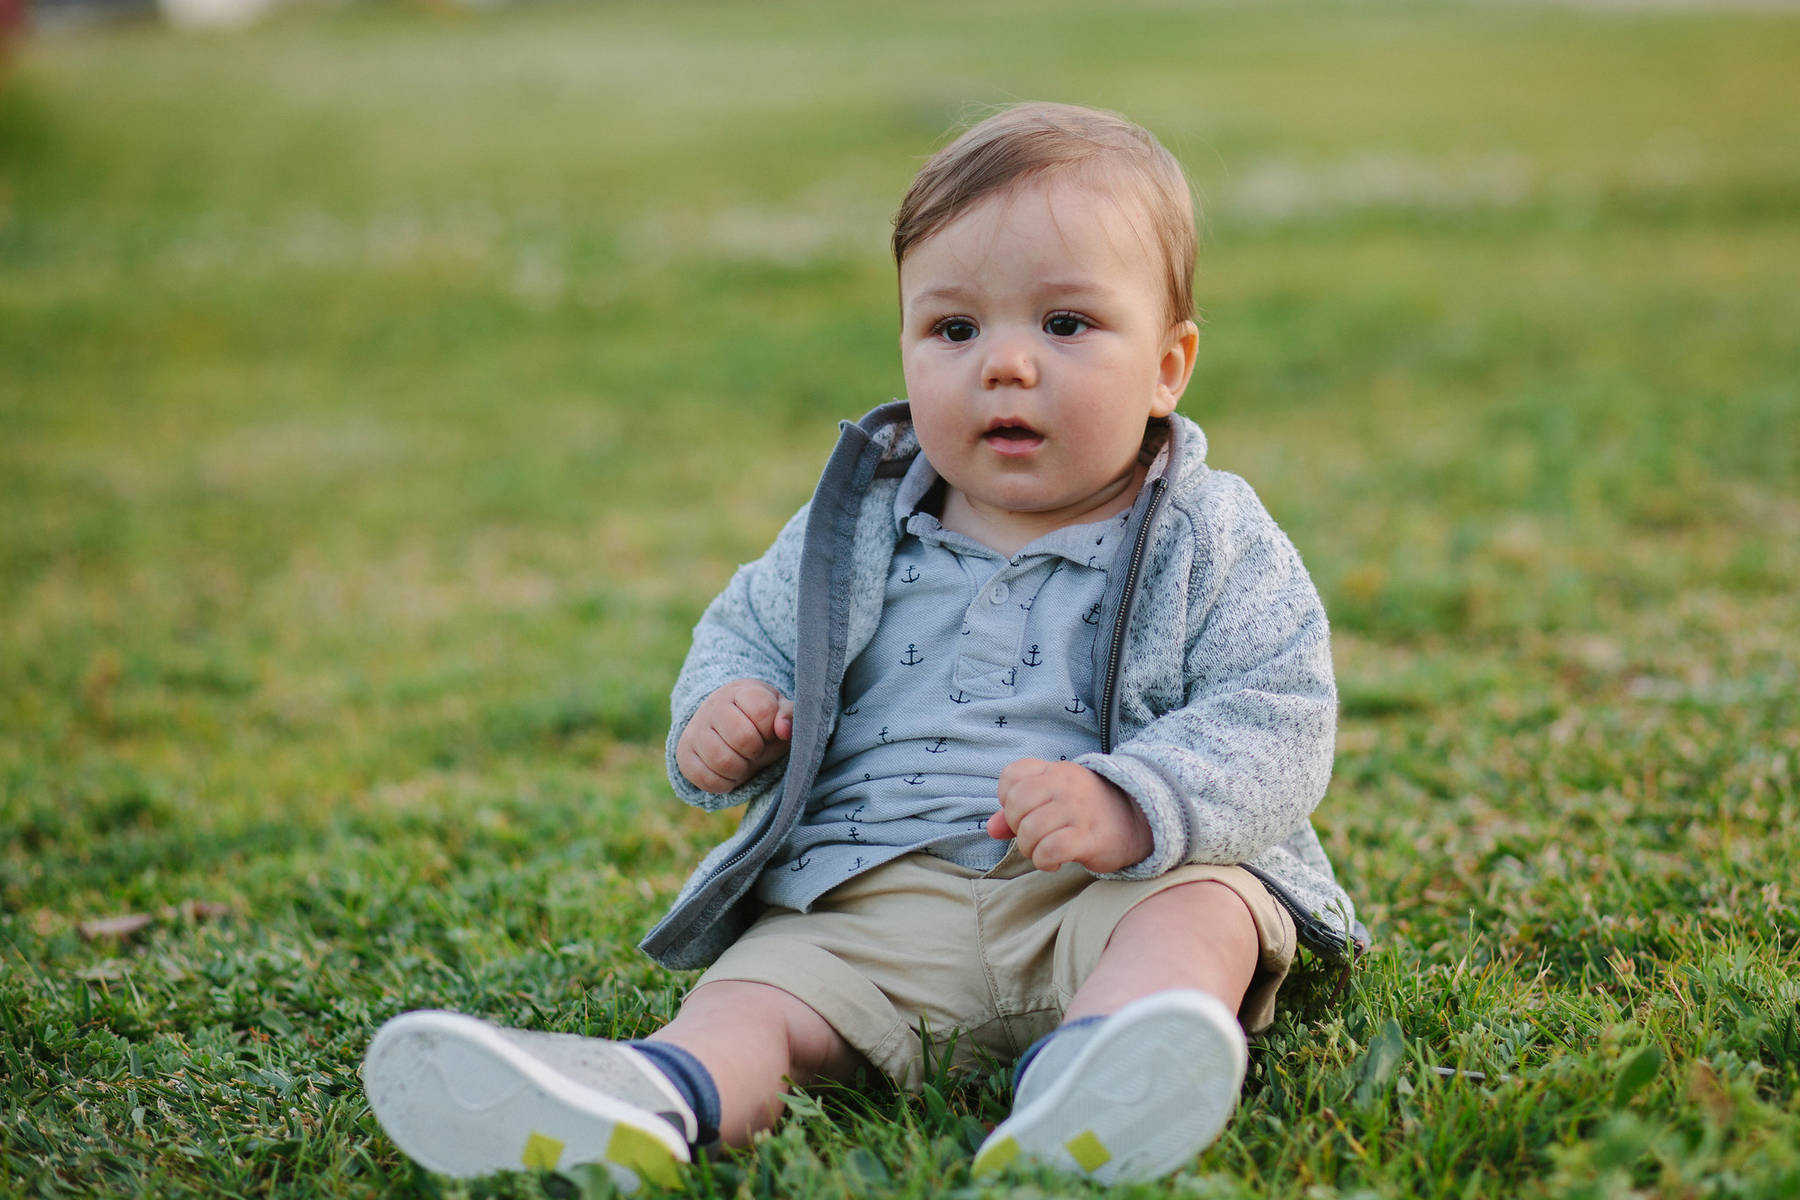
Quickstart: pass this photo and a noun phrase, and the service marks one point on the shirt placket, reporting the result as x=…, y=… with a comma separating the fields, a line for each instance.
x=993, y=627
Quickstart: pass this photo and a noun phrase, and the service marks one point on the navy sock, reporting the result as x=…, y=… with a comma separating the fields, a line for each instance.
x=1031, y=1051
x=692, y=1080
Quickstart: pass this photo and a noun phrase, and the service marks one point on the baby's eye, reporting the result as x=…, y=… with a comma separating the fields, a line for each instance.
x=954, y=329
x=1063, y=324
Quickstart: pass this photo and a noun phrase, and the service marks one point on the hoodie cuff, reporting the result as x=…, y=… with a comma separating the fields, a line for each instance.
x=1167, y=818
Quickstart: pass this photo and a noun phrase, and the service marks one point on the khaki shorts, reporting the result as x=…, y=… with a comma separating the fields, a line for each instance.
x=992, y=959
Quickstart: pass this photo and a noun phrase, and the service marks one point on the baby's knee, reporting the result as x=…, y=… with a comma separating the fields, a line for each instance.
x=760, y=1010
x=1204, y=909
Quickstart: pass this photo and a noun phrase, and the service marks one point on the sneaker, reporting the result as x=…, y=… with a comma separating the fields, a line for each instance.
x=463, y=1097
x=1150, y=1087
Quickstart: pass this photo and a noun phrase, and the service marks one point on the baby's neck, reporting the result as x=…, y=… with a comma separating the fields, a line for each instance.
x=1006, y=531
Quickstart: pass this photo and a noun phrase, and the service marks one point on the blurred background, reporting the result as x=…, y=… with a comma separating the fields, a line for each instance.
x=385, y=388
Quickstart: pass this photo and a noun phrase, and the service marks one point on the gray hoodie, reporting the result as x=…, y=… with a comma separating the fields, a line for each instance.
x=1218, y=709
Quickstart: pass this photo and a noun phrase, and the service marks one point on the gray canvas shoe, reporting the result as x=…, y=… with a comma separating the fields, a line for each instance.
x=464, y=1097
x=1136, y=1097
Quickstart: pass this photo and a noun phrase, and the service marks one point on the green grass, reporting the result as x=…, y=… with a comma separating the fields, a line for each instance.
x=384, y=392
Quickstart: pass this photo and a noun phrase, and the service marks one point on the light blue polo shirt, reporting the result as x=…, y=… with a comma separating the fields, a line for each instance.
x=978, y=660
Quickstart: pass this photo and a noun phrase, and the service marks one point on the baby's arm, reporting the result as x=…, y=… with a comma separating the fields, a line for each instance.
x=747, y=633
x=1244, y=761
x=735, y=733
x=1061, y=812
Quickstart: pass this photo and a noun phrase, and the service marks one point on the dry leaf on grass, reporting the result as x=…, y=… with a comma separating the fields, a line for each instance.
x=122, y=926
x=125, y=925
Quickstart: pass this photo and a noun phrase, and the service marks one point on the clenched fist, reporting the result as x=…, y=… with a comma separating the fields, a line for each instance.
x=736, y=732
x=1061, y=812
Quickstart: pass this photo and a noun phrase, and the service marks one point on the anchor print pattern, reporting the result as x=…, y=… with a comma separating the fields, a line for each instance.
x=906, y=678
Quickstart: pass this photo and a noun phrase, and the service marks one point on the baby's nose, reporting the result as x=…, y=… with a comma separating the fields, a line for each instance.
x=1009, y=361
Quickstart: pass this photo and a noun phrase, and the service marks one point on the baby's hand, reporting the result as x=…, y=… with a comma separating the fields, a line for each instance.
x=736, y=732
x=1061, y=812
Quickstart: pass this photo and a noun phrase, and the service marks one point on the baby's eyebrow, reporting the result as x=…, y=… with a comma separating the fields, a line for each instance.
x=1058, y=287
x=947, y=292
x=1076, y=288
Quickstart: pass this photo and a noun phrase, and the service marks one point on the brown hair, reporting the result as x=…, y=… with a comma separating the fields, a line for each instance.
x=1031, y=142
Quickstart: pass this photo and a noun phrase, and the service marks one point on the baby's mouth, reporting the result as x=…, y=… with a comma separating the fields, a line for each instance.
x=1013, y=434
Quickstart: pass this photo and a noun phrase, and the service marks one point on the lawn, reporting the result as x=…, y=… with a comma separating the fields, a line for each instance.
x=384, y=392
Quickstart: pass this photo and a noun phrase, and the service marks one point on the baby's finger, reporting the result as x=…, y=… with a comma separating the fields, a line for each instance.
x=999, y=827
x=784, y=719
x=1056, y=849
x=721, y=757
x=1021, y=769
x=760, y=703
x=1032, y=829
x=739, y=731
x=1023, y=791
x=699, y=772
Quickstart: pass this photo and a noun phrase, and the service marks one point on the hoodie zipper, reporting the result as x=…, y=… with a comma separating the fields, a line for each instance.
x=1314, y=934
x=1321, y=935
x=1116, y=651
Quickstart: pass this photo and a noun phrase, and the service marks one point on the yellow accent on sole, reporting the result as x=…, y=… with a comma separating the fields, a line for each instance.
x=1088, y=1151
x=643, y=1155
x=542, y=1152
x=996, y=1156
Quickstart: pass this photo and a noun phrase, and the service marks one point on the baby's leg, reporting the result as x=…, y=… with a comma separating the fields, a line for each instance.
x=753, y=1039
x=466, y=1097
x=1146, y=1068
x=1197, y=936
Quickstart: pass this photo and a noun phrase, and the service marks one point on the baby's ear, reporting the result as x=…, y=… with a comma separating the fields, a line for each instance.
x=1177, y=367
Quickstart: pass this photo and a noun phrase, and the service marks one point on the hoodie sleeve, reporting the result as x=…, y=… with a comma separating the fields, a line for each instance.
x=1241, y=762
x=747, y=632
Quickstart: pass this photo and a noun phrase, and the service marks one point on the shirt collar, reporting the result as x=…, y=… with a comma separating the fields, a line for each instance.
x=915, y=485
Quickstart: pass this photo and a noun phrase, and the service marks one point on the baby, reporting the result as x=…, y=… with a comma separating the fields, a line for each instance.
x=1029, y=707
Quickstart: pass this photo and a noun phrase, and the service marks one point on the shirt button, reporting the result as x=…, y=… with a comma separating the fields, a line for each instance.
x=998, y=593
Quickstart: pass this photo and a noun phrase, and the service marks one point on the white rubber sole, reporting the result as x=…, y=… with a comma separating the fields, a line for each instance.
x=461, y=1100
x=1152, y=1088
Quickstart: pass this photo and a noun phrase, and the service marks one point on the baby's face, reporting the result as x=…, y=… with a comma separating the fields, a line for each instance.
x=1035, y=343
